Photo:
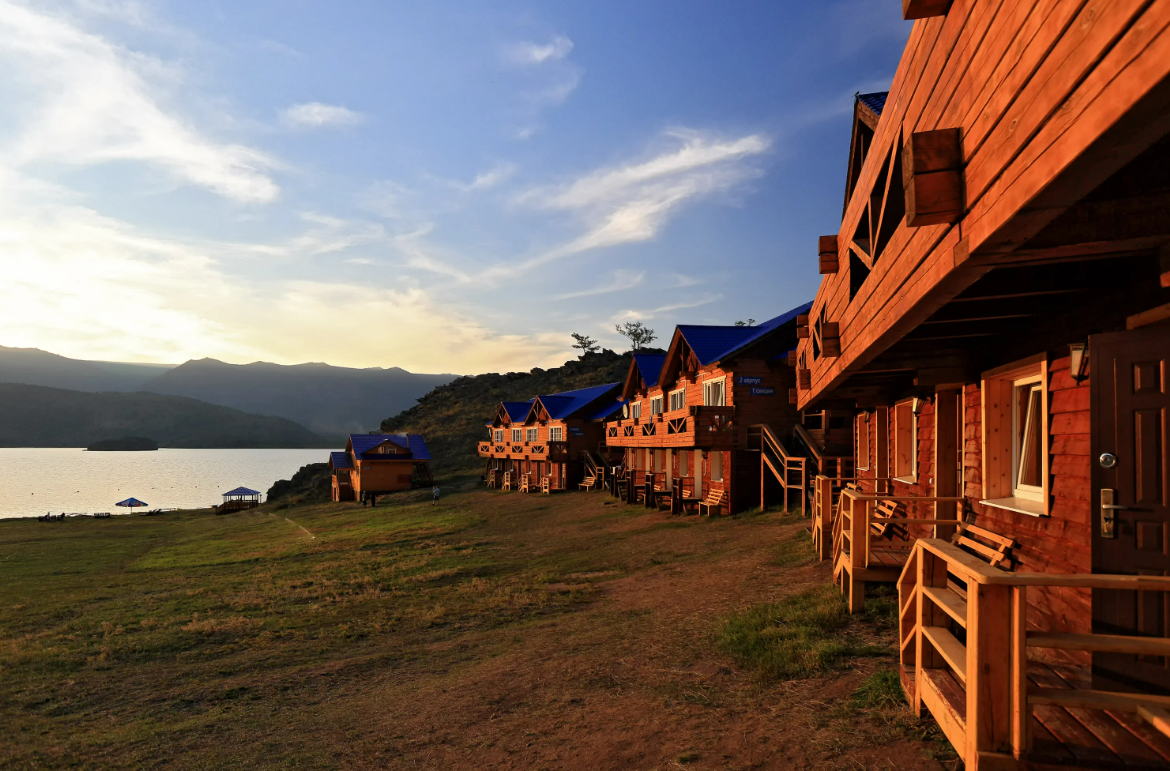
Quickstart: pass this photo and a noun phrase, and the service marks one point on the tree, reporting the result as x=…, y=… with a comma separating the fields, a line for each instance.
x=586, y=343
x=748, y=323
x=639, y=334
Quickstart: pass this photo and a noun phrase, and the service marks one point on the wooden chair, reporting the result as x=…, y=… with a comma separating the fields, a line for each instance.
x=508, y=480
x=992, y=548
x=526, y=483
x=713, y=501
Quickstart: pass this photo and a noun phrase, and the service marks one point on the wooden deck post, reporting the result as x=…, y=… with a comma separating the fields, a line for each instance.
x=989, y=628
x=823, y=511
x=858, y=554
x=1021, y=714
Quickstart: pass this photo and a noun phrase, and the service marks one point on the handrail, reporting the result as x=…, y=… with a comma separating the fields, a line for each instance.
x=783, y=464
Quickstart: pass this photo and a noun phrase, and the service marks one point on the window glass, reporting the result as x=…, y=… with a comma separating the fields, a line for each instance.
x=714, y=394
x=556, y=434
x=636, y=410
x=1027, y=436
x=533, y=434
x=678, y=400
x=656, y=405
x=517, y=435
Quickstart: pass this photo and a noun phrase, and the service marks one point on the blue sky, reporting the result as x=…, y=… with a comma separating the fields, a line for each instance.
x=442, y=186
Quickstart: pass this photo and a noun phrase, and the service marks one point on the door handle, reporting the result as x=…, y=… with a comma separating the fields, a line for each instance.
x=1108, y=517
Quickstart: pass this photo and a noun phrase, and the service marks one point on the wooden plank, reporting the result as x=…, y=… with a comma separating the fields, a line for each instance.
x=1021, y=715
x=1152, y=316
x=989, y=662
x=932, y=180
x=946, y=701
x=949, y=647
x=951, y=603
x=924, y=9
x=1143, y=732
x=1158, y=717
x=1091, y=699
x=1109, y=643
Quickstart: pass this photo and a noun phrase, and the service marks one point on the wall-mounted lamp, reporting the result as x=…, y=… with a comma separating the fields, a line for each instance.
x=1078, y=361
x=916, y=405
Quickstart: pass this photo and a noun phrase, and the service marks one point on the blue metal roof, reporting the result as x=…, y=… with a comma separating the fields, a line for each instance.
x=711, y=343
x=875, y=101
x=339, y=460
x=415, y=444
x=518, y=411
x=649, y=366
x=568, y=403
x=607, y=409
x=242, y=491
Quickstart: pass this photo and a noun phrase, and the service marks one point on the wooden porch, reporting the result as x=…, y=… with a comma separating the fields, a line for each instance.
x=967, y=655
x=698, y=427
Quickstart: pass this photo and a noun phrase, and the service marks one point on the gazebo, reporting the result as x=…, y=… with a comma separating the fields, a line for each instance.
x=240, y=498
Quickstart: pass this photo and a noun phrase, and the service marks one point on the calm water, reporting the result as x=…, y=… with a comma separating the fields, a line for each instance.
x=35, y=481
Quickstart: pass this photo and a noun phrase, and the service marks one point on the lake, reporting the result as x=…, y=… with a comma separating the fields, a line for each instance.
x=38, y=480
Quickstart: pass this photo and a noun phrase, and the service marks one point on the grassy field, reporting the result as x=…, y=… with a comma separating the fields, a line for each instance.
x=492, y=631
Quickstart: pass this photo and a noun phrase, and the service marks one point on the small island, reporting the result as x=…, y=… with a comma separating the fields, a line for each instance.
x=125, y=444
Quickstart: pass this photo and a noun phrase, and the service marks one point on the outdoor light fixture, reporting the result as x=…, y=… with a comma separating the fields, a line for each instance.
x=1078, y=361
x=916, y=405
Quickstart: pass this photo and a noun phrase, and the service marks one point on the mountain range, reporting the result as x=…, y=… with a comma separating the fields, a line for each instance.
x=326, y=400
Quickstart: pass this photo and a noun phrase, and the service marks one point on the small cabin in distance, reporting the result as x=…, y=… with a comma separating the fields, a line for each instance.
x=556, y=440
x=374, y=464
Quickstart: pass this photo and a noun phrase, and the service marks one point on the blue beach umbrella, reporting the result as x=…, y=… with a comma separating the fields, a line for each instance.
x=132, y=503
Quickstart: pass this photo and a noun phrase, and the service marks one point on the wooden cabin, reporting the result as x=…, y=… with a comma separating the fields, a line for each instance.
x=553, y=442
x=373, y=464
x=694, y=418
x=995, y=314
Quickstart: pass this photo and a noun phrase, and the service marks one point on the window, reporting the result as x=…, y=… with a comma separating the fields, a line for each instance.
x=636, y=409
x=556, y=433
x=905, y=442
x=678, y=399
x=656, y=406
x=517, y=435
x=1027, y=444
x=533, y=435
x=499, y=435
x=716, y=467
x=863, y=441
x=682, y=463
x=715, y=393
x=1015, y=429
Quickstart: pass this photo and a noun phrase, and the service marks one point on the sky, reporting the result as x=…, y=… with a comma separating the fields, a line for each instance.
x=441, y=186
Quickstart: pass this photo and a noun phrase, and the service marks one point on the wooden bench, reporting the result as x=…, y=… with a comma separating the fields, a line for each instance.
x=713, y=501
x=992, y=548
x=589, y=483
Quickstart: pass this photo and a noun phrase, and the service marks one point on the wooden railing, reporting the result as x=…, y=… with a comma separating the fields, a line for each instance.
x=836, y=466
x=788, y=469
x=964, y=643
x=825, y=500
x=862, y=553
x=695, y=426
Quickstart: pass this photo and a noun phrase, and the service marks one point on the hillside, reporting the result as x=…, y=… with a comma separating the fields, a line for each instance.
x=331, y=401
x=36, y=416
x=452, y=417
x=33, y=366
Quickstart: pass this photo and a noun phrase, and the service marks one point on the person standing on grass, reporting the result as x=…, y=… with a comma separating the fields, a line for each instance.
x=435, y=495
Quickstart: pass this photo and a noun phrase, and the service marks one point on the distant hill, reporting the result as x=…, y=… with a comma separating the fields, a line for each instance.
x=36, y=416
x=331, y=401
x=36, y=367
x=452, y=417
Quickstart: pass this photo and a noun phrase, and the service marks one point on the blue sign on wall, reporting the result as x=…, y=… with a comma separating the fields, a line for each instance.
x=763, y=392
x=574, y=431
x=750, y=381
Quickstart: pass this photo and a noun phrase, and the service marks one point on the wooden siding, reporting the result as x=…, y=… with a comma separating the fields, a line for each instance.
x=1032, y=87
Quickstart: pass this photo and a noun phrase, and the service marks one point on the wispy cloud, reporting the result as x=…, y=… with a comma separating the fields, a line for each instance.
x=527, y=53
x=88, y=102
x=318, y=114
x=622, y=280
x=651, y=313
x=631, y=202
x=486, y=180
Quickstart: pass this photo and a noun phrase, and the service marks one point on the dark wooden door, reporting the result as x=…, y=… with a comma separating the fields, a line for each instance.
x=1130, y=408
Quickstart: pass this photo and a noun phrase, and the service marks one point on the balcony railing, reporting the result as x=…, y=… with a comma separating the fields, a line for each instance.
x=553, y=451
x=695, y=426
x=964, y=648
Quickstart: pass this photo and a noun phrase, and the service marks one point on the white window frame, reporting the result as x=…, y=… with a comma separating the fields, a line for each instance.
x=655, y=405
x=556, y=433
x=636, y=409
x=1032, y=383
x=678, y=399
x=708, y=389
x=517, y=435
x=532, y=435
x=902, y=408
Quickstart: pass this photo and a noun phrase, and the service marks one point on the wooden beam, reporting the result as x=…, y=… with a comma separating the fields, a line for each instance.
x=830, y=339
x=924, y=9
x=1145, y=318
x=828, y=255
x=1164, y=266
x=932, y=174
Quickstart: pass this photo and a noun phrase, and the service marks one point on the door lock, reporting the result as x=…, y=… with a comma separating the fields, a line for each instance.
x=1107, y=460
x=1108, y=516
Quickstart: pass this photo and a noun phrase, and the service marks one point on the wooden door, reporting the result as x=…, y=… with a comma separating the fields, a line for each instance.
x=1130, y=407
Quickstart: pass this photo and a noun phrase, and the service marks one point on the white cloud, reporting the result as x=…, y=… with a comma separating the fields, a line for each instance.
x=622, y=281
x=84, y=101
x=527, y=53
x=316, y=114
x=486, y=180
x=646, y=315
x=631, y=202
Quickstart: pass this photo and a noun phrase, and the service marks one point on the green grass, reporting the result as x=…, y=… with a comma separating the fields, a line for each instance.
x=802, y=635
x=881, y=690
x=795, y=551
